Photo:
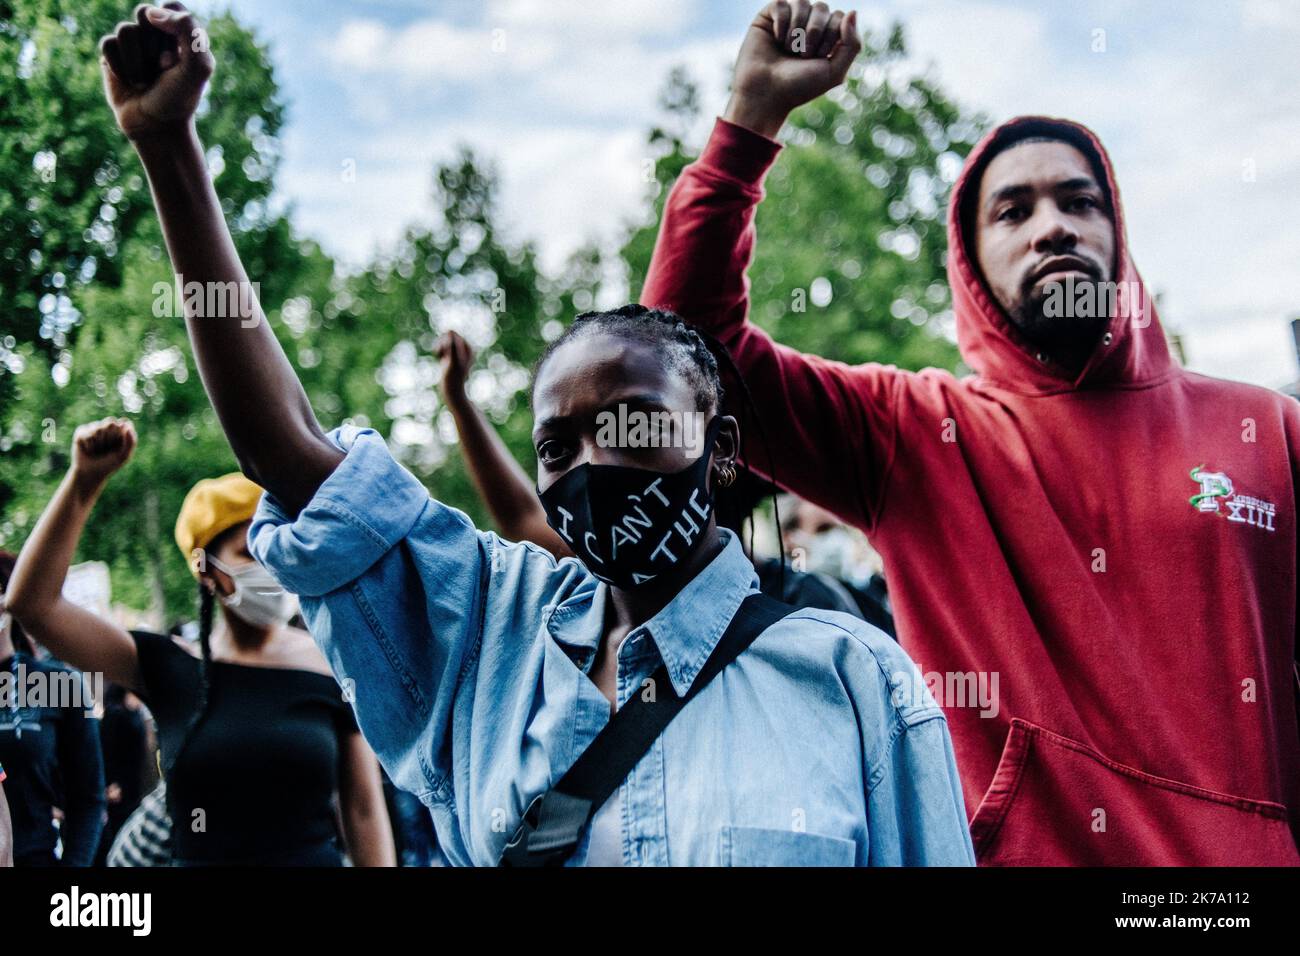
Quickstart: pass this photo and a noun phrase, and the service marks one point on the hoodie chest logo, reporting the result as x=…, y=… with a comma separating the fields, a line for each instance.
x=1218, y=496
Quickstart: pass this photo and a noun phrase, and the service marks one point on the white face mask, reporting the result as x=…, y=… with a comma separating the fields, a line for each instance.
x=833, y=552
x=258, y=598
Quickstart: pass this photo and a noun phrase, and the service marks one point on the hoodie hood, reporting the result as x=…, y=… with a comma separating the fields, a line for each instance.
x=1132, y=350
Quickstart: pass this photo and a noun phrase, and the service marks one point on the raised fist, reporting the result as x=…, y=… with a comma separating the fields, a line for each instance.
x=101, y=448
x=793, y=52
x=455, y=355
x=155, y=68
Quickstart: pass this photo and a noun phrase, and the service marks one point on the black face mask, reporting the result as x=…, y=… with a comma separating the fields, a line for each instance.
x=630, y=525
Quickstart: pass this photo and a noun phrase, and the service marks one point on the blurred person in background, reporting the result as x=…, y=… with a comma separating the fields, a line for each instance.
x=821, y=543
x=49, y=740
x=128, y=760
x=255, y=736
x=413, y=831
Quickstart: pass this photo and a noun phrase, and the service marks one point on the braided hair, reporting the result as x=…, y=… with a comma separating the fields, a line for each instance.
x=686, y=351
x=699, y=358
x=206, y=613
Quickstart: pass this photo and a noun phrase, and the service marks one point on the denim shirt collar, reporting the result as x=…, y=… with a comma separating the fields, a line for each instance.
x=685, y=631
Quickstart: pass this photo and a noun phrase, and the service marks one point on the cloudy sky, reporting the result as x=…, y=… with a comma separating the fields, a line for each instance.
x=1192, y=97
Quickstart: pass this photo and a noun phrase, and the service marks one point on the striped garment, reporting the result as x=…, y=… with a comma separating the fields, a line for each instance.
x=146, y=837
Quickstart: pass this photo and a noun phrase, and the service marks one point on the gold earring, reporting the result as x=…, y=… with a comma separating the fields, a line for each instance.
x=726, y=476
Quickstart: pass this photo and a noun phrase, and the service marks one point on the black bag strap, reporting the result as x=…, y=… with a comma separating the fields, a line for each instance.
x=554, y=821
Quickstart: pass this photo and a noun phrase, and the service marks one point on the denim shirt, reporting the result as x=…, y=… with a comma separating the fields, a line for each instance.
x=466, y=659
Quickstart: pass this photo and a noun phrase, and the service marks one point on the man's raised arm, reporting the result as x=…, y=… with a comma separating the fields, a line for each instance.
x=155, y=68
x=810, y=407
x=792, y=53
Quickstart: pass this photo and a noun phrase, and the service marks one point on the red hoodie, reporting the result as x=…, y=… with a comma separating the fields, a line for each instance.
x=1045, y=530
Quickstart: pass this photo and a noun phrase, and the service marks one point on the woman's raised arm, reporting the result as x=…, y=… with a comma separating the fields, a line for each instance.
x=35, y=593
x=155, y=69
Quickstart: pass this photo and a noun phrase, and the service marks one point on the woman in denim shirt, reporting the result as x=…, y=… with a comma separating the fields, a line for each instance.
x=480, y=669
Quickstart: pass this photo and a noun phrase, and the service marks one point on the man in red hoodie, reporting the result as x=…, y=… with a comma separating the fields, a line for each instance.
x=1106, y=538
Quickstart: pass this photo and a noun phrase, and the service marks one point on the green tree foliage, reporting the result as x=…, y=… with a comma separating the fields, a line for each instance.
x=380, y=328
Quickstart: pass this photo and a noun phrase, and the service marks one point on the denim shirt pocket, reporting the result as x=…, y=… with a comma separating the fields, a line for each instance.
x=757, y=846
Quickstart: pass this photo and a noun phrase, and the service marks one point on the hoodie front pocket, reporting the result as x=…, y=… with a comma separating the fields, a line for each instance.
x=1058, y=802
x=755, y=846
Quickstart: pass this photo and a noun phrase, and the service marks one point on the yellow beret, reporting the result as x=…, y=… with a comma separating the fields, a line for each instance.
x=211, y=507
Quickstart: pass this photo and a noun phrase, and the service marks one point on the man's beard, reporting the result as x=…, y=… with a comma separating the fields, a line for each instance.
x=1047, y=315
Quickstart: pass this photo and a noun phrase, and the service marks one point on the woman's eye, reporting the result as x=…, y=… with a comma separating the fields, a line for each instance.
x=1010, y=214
x=1083, y=202
x=549, y=452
